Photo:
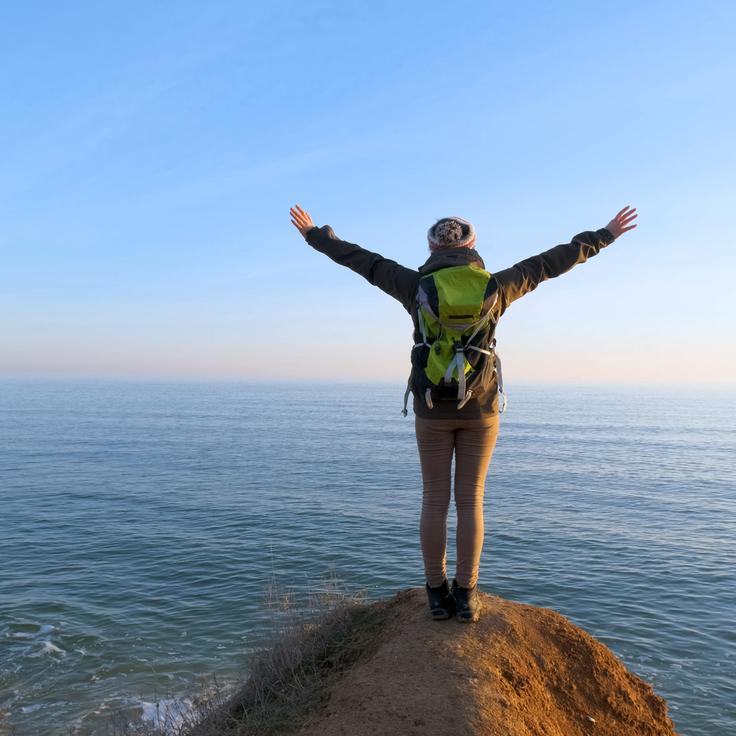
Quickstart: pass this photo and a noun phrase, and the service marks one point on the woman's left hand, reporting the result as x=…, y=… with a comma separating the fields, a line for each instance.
x=301, y=220
x=622, y=222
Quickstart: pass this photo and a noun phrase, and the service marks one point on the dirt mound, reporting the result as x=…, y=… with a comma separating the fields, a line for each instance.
x=519, y=671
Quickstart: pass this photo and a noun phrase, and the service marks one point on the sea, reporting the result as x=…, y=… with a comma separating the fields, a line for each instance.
x=144, y=525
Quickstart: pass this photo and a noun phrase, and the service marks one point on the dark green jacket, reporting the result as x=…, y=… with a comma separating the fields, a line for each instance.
x=401, y=283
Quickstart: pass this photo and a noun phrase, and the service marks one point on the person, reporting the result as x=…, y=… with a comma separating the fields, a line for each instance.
x=468, y=432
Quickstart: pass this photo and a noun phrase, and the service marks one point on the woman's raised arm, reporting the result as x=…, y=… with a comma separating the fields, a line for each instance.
x=396, y=280
x=526, y=275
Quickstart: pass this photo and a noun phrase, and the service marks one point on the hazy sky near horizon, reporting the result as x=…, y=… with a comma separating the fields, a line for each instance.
x=151, y=152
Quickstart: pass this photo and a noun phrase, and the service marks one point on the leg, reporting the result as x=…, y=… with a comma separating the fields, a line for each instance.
x=474, y=446
x=435, y=440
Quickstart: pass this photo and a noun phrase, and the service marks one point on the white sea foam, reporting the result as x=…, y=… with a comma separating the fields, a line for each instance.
x=42, y=629
x=49, y=648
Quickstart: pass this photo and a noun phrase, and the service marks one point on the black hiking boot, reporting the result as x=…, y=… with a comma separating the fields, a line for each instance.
x=467, y=602
x=441, y=602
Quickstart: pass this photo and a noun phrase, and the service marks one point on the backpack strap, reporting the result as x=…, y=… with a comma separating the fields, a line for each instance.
x=457, y=362
x=422, y=328
x=499, y=381
x=404, y=411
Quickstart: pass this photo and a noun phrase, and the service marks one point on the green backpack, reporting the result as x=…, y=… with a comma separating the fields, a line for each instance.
x=454, y=354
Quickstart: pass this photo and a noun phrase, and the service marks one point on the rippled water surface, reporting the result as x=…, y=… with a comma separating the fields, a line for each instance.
x=141, y=524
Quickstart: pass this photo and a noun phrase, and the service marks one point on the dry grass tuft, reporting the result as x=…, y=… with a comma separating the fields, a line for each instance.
x=314, y=641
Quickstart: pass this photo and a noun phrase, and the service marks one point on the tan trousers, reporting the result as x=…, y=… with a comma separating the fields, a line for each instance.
x=472, y=441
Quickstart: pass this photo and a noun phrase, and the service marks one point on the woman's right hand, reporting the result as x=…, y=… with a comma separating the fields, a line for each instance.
x=621, y=223
x=301, y=220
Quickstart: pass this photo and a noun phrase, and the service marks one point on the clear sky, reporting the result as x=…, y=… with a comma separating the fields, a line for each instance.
x=151, y=152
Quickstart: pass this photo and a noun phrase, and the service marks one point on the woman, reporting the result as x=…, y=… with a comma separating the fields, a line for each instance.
x=469, y=432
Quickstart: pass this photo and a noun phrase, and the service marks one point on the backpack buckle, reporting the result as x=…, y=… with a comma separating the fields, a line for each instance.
x=465, y=399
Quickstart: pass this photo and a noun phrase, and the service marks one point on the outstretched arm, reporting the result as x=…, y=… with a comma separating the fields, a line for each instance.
x=526, y=275
x=398, y=281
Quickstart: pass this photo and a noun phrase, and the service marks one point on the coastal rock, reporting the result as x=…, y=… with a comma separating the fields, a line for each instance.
x=519, y=671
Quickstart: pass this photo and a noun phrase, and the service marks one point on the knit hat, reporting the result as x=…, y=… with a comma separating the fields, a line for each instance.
x=451, y=232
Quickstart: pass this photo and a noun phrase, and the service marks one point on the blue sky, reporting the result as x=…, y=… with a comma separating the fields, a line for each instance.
x=151, y=153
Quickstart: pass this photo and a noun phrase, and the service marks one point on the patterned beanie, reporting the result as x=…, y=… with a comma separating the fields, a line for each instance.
x=451, y=232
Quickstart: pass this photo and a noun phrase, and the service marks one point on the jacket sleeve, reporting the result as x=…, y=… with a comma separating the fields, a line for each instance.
x=398, y=281
x=526, y=275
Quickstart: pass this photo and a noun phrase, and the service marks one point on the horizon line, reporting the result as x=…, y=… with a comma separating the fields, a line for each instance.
x=153, y=378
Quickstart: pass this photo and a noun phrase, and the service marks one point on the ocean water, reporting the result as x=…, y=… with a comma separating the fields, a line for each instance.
x=141, y=524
